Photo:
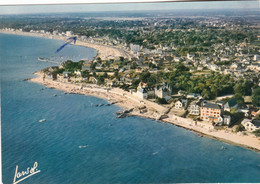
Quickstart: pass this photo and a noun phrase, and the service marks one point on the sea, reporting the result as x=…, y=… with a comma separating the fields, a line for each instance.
x=81, y=143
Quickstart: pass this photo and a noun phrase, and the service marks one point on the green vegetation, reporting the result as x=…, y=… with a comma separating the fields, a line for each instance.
x=72, y=66
x=208, y=86
x=256, y=97
x=258, y=116
x=236, y=117
x=161, y=101
x=257, y=133
x=240, y=128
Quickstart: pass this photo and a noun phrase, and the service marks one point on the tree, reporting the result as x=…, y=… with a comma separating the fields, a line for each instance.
x=240, y=100
x=243, y=88
x=72, y=66
x=256, y=97
x=121, y=59
x=133, y=65
x=257, y=133
x=258, y=116
x=161, y=100
x=101, y=80
x=85, y=74
x=181, y=67
x=240, y=128
x=99, y=60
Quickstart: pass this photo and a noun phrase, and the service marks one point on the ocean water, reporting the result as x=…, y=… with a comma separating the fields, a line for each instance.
x=81, y=143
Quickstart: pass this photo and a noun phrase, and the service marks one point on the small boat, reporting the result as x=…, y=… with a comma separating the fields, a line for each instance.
x=54, y=95
x=223, y=147
x=42, y=120
x=84, y=146
x=155, y=153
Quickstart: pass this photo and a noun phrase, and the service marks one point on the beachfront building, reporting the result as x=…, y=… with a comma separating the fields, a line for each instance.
x=61, y=78
x=68, y=33
x=141, y=93
x=251, y=125
x=66, y=74
x=163, y=91
x=194, y=109
x=210, y=112
x=226, y=120
x=92, y=80
x=181, y=104
x=111, y=83
x=77, y=73
x=144, y=92
x=76, y=79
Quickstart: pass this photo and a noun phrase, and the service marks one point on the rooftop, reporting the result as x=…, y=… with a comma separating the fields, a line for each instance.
x=210, y=105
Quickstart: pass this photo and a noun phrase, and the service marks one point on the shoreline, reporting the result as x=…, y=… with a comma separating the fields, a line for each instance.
x=103, y=51
x=127, y=101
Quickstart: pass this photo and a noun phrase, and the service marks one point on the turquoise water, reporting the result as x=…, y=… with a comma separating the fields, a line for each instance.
x=81, y=143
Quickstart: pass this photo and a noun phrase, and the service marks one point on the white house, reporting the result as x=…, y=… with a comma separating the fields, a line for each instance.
x=229, y=104
x=177, y=59
x=190, y=56
x=181, y=104
x=194, y=109
x=256, y=57
x=226, y=119
x=251, y=125
x=78, y=73
x=68, y=33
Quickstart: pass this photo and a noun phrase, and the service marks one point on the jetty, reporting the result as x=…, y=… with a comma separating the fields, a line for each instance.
x=47, y=60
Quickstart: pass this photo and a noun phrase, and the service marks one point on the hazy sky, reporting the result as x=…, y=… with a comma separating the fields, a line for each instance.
x=127, y=6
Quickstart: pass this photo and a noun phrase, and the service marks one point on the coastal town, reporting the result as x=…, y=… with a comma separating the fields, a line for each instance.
x=198, y=72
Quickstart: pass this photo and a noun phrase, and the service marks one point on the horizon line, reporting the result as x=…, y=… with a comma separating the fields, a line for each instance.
x=145, y=10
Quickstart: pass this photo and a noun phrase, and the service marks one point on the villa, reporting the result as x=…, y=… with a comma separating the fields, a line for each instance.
x=251, y=125
x=194, y=109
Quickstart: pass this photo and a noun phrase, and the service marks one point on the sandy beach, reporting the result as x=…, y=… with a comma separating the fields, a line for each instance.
x=127, y=101
x=104, y=51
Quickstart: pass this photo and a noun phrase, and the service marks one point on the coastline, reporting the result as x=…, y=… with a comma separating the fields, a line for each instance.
x=103, y=51
x=127, y=101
